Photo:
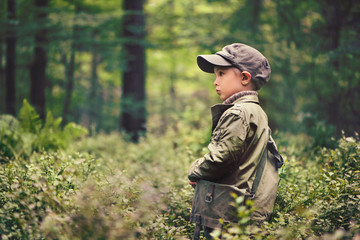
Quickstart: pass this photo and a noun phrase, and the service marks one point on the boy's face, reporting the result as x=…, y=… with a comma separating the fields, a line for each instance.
x=227, y=81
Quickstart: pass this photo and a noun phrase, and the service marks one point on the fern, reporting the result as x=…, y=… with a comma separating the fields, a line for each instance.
x=29, y=118
x=74, y=131
x=52, y=123
x=21, y=138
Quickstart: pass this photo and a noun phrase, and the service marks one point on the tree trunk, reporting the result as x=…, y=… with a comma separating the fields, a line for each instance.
x=69, y=73
x=70, y=69
x=2, y=79
x=94, y=99
x=10, y=97
x=133, y=111
x=2, y=68
x=256, y=9
x=38, y=65
x=335, y=14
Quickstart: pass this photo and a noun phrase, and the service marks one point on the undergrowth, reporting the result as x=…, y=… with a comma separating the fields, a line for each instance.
x=103, y=187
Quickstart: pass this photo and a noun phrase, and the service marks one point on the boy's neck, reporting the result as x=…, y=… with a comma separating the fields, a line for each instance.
x=238, y=95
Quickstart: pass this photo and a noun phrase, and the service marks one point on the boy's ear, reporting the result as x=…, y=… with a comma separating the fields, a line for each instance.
x=246, y=77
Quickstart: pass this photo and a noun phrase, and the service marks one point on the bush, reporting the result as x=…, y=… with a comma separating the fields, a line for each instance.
x=320, y=197
x=103, y=187
x=29, y=190
x=22, y=137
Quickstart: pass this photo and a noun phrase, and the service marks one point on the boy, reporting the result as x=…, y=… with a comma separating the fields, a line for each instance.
x=239, y=140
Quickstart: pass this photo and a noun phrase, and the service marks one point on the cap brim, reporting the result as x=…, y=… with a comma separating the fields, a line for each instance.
x=208, y=62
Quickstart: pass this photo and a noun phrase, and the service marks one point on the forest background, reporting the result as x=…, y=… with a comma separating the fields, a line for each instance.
x=312, y=46
x=106, y=69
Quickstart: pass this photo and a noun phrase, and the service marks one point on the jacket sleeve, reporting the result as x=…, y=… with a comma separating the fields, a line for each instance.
x=226, y=144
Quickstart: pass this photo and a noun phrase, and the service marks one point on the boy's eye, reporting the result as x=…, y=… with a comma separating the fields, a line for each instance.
x=221, y=73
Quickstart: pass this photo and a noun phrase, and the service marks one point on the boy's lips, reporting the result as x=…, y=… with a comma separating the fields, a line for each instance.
x=218, y=91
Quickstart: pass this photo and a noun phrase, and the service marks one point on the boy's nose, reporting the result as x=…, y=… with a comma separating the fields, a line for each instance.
x=215, y=82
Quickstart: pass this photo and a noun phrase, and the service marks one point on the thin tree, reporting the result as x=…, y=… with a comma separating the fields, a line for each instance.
x=95, y=102
x=133, y=111
x=339, y=16
x=2, y=78
x=70, y=67
x=38, y=65
x=10, y=93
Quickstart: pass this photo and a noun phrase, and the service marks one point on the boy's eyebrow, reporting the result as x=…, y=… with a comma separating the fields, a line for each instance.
x=219, y=68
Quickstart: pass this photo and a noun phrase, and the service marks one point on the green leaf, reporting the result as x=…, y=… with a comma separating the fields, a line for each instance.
x=8, y=122
x=74, y=131
x=52, y=123
x=29, y=118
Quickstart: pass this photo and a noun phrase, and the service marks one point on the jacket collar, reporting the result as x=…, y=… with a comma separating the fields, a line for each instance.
x=246, y=99
x=238, y=95
x=242, y=97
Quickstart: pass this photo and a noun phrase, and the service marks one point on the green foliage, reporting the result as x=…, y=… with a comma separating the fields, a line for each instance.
x=322, y=133
x=339, y=182
x=313, y=52
x=321, y=196
x=22, y=137
x=104, y=187
x=32, y=189
x=9, y=137
x=173, y=222
x=29, y=119
x=244, y=228
x=111, y=190
x=113, y=207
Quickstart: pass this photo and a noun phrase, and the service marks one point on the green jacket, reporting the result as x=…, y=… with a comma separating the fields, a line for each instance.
x=239, y=137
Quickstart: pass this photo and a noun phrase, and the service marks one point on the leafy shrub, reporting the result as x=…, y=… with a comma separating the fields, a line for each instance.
x=29, y=190
x=103, y=187
x=339, y=182
x=322, y=132
x=320, y=196
x=244, y=228
x=125, y=193
x=10, y=138
x=22, y=137
x=173, y=221
x=115, y=207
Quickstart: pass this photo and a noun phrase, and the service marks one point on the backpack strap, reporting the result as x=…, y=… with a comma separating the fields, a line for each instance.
x=259, y=173
x=197, y=227
x=279, y=161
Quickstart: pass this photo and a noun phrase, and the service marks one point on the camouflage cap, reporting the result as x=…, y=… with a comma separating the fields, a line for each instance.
x=242, y=57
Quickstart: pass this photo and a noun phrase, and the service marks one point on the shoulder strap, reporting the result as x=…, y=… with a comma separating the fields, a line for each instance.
x=259, y=173
x=279, y=161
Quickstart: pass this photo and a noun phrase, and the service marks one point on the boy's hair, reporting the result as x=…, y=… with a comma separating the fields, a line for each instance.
x=241, y=56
